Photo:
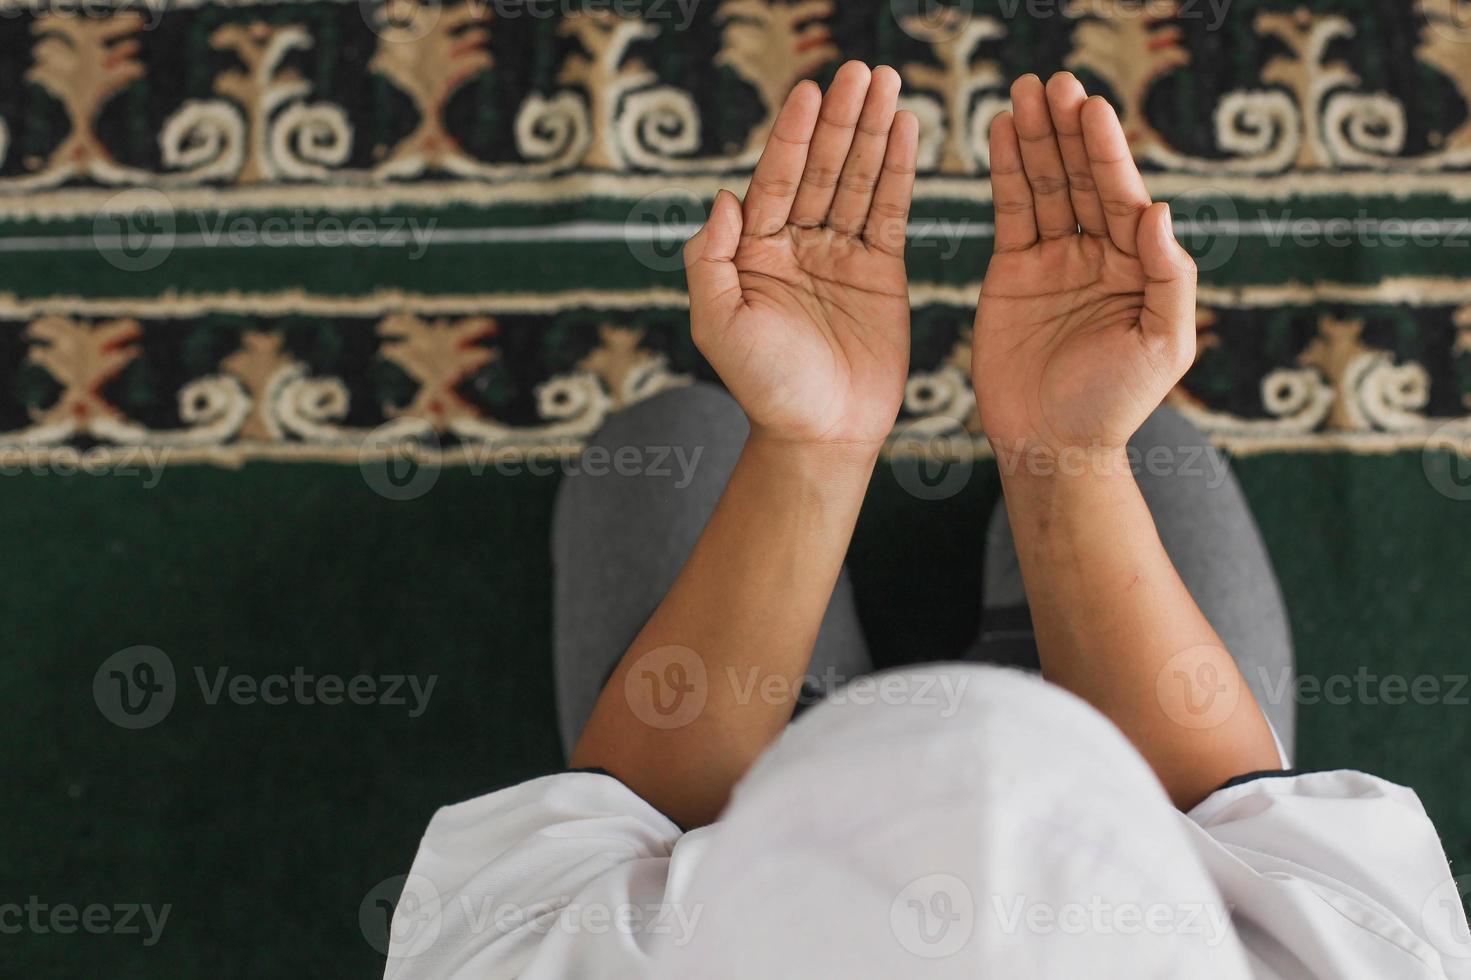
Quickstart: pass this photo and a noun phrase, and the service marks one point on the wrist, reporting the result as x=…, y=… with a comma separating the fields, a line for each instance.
x=1054, y=496
x=836, y=465
x=1031, y=461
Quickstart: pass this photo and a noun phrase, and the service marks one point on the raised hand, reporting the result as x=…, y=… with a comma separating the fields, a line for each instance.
x=798, y=296
x=1087, y=314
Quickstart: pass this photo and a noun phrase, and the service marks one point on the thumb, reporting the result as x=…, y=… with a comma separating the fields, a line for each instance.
x=714, y=285
x=1168, y=317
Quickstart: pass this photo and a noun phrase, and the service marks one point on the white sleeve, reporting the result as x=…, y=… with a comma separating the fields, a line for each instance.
x=1335, y=875
x=563, y=876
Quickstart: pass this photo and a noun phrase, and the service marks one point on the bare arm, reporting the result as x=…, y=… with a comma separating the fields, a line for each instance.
x=1117, y=627
x=716, y=670
x=798, y=299
x=1087, y=319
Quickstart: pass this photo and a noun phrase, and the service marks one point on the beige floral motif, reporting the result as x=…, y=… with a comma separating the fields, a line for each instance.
x=1206, y=337
x=620, y=361
x=258, y=364
x=773, y=46
x=1129, y=47
x=606, y=74
x=959, y=358
x=438, y=354
x=958, y=80
x=1305, y=73
x=960, y=354
x=264, y=86
x=84, y=62
x=1462, y=321
x=1370, y=391
x=430, y=62
x=1446, y=44
x=940, y=401
x=1333, y=352
x=83, y=358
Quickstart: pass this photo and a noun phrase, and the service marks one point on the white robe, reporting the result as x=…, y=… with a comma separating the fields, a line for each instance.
x=1005, y=829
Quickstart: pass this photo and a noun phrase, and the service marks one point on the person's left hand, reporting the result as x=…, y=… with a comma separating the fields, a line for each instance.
x=798, y=298
x=1087, y=314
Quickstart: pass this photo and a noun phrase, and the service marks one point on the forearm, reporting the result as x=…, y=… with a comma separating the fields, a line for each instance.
x=746, y=609
x=1116, y=626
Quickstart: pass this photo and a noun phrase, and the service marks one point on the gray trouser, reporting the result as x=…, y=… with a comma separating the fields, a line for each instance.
x=620, y=537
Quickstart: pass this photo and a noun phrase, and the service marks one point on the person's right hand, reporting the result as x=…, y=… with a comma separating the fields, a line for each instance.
x=799, y=299
x=1081, y=332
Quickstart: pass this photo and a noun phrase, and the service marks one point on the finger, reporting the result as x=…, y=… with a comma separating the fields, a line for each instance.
x=714, y=284
x=836, y=122
x=1065, y=96
x=1120, y=188
x=1168, y=318
x=866, y=156
x=888, y=216
x=1042, y=159
x=778, y=172
x=1011, y=196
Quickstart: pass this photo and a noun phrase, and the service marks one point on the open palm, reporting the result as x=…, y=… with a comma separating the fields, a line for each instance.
x=1087, y=314
x=799, y=297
